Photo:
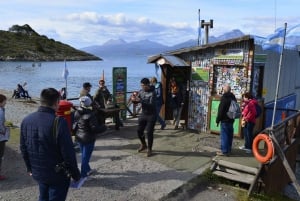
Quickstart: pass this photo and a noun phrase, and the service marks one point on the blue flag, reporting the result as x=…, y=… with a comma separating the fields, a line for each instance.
x=65, y=73
x=274, y=42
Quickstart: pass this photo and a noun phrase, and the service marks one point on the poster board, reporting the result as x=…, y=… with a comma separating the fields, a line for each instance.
x=120, y=88
x=214, y=105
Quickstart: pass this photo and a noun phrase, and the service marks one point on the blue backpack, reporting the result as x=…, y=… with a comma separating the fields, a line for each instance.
x=258, y=110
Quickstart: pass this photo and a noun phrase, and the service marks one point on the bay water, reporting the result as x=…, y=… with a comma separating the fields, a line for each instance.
x=49, y=74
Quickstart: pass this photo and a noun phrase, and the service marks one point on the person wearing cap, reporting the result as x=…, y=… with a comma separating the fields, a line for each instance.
x=86, y=129
x=86, y=89
x=147, y=98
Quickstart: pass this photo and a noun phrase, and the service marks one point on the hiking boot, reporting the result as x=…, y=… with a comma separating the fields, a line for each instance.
x=149, y=153
x=142, y=148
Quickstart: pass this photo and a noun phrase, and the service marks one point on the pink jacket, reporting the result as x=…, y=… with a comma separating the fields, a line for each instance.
x=249, y=111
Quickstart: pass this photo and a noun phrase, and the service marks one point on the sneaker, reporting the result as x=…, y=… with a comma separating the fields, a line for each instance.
x=79, y=183
x=142, y=148
x=91, y=172
x=149, y=153
x=2, y=177
x=242, y=147
x=248, y=151
x=219, y=153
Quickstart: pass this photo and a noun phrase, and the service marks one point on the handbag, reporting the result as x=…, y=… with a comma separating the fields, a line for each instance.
x=5, y=137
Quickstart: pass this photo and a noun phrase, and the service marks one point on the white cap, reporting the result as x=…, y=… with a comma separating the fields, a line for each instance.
x=85, y=101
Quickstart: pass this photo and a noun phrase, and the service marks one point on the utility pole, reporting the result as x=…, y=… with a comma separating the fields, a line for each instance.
x=206, y=25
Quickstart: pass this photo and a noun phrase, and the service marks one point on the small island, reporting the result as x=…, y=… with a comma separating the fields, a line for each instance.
x=22, y=43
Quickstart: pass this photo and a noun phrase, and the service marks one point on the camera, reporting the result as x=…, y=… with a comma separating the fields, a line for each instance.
x=63, y=167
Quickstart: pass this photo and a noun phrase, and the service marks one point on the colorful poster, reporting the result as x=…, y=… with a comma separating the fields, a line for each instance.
x=120, y=88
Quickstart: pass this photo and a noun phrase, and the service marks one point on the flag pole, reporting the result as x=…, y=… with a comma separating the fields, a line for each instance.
x=278, y=77
x=279, y=151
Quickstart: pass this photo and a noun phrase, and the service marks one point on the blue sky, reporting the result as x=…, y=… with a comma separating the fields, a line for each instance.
x=82, y=23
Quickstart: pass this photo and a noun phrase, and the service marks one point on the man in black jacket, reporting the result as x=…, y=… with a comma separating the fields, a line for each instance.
x=47, y=148
x=226, y=123
x=147, y=98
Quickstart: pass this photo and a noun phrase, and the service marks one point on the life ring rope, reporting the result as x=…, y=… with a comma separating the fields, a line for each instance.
x=270, y=148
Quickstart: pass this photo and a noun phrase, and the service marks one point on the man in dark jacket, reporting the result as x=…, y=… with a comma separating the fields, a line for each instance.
x=226, y=123
x=147, y=98
x=47, y=148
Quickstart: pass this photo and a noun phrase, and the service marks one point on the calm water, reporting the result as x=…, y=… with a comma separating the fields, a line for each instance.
x=49, y=74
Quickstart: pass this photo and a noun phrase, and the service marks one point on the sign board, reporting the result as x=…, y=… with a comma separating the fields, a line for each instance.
x=120, y=88
x=213, y=115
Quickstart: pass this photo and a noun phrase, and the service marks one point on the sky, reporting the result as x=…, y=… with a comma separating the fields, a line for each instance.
x=83, y=23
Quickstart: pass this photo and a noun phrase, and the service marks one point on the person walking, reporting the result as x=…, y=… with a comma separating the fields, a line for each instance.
x=3, y=130
x=248, y=120
x=86, y=130
x=226, y=134
x=147, y=98
x=47, y=148
x=177, y=100
x=159, y=101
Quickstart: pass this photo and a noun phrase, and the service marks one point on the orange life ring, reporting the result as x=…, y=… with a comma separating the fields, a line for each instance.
x=270, y=148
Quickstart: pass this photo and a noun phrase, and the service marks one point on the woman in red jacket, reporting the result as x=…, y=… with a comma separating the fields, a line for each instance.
x=248, y=120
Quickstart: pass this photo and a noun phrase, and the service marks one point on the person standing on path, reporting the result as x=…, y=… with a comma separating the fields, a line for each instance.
x=147, y=98
x=47, y=148
x=2, y=131
x=159, y=101
x=86, y=130
x=248, y=120
x=226, y=134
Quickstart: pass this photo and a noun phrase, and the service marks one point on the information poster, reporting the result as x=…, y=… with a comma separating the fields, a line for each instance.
x=120, y=88
x=213, y=116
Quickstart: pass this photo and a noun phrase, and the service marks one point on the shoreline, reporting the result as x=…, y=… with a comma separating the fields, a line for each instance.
x=17, y=109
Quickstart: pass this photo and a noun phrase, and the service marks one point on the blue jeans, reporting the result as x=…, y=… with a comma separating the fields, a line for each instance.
x=248, y=134
x=86, y=153
x=54, y=192
x=226, y=137
x=160, y=120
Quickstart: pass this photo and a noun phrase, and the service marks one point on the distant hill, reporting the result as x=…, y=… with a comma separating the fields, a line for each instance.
x=22, y=43
x=120, y=47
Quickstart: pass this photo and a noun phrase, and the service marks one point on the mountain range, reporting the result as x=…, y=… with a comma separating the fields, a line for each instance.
x=120, y=47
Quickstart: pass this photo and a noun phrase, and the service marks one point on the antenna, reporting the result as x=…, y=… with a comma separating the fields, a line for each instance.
x=275, y=13
x=199, y=28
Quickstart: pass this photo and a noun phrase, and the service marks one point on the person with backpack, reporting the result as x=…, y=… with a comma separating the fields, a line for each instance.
x=226, y=134
x=248, y=120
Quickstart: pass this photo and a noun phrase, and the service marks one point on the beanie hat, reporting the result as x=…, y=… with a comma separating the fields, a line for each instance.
x=145, y=81
x=85, y=101
x=86, y=85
